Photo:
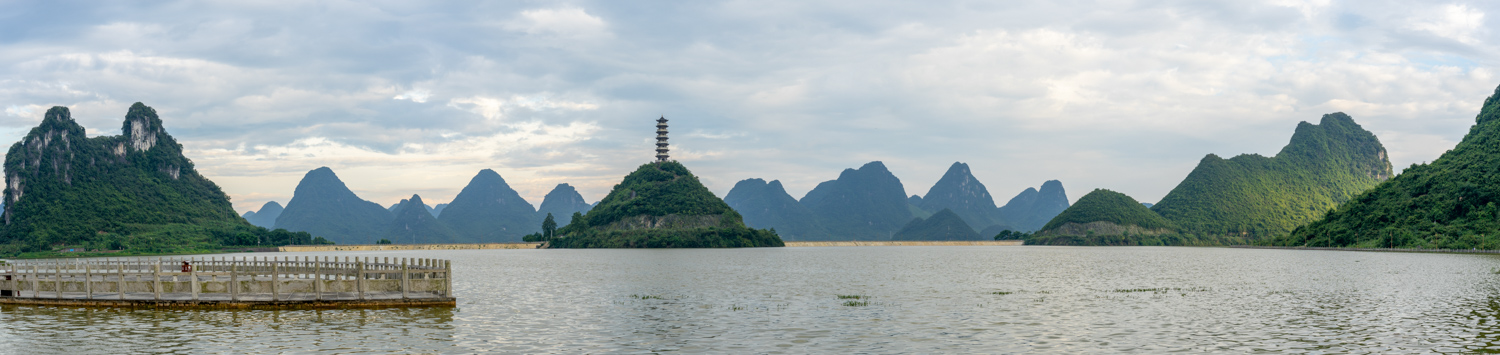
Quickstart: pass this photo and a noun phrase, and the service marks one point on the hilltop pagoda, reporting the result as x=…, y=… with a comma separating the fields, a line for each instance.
x=661, y=139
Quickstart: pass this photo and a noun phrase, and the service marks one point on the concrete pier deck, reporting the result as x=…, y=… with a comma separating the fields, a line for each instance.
x=229, y=283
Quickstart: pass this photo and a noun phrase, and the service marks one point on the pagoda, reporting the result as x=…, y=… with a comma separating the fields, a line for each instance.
x=661, y=139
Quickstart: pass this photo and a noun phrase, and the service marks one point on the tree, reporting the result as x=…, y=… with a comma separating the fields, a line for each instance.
x=549, y=227
x=383, y=241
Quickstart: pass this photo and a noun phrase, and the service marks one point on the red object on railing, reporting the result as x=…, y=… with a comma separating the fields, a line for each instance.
x=186, y=267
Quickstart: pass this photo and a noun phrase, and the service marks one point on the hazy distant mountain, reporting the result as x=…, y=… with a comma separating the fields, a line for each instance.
x=1032, y=208
x=430, y=209
x=1147, y=204
x=865, y=204
x=943, y=225
x=413, y=224
x=266, y=216
x=767, y=206
x=438, y=209
x=1252, y=196
x=914, y=200
x=960, y=192
x=489, y=211
x=561, y=202
x=323, y=206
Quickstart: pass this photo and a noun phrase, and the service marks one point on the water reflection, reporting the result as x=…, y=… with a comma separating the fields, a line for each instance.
x=920, y=300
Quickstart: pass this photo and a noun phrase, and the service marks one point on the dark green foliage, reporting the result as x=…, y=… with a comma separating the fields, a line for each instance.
x=943, y=225
x=134, y=192
x=1251, y=196
x=562, y=201
x=768, y=206
x=414, y=224
x=865, y=204
x=266, y=216
x=661, y=205
x=1127, y=239
x=1012, y=235
x=656, y=189
x=549, y=227
x=1450, y=203
x=488, y=211
x=1108, y=206
x=964, y=195
x=1032, y=208
x=324, y=206
x=383, y=241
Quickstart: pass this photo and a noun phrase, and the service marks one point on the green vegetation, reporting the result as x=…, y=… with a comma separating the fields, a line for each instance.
x=1108, y=206
x=130, y=194
x=1254, y=197
x=661, y=205
x=383, y=241
x=1012, y=235
x=943, y=225
x=1450, y=203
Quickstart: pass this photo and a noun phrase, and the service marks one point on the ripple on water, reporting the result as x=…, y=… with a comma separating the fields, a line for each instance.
x=897, y=300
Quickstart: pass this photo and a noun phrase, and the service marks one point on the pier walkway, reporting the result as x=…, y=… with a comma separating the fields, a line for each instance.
x=251, y=282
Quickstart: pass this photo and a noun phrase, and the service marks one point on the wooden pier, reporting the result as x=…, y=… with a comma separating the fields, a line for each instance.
x=248, y=282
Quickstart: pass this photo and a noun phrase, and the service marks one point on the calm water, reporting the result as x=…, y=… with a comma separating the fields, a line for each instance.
x=921, y=300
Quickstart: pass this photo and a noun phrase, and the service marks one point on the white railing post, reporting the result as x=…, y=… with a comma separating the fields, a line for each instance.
x=404, y=275
x=88, y=281
x=156, y=278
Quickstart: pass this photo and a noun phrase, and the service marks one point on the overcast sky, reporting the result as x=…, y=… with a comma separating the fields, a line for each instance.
x=406, y=97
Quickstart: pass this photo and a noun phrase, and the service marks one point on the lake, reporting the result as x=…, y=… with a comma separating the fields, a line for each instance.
x=1020, y=299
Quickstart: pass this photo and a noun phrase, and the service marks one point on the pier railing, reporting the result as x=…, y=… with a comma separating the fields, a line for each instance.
x=247, y=279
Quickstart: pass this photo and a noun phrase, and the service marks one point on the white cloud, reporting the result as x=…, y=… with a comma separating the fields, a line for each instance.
x=496, y=108
x=415, y=95
x=567, y=22
x=1458, y=22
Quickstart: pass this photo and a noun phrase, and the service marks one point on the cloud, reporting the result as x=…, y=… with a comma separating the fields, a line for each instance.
x=416, y=97
x=567, y=22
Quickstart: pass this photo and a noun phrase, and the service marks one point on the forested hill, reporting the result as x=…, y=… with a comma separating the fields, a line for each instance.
x=1252, y=196
x=661, y=205
x=1449, y=203
x=134, y=192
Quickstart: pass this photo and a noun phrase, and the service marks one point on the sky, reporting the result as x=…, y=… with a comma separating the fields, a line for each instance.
x=415, y=97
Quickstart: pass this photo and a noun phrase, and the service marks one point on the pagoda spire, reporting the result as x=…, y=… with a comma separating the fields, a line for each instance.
x=661, y=139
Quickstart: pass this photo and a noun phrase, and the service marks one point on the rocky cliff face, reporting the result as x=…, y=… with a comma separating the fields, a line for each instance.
x=65, y=187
